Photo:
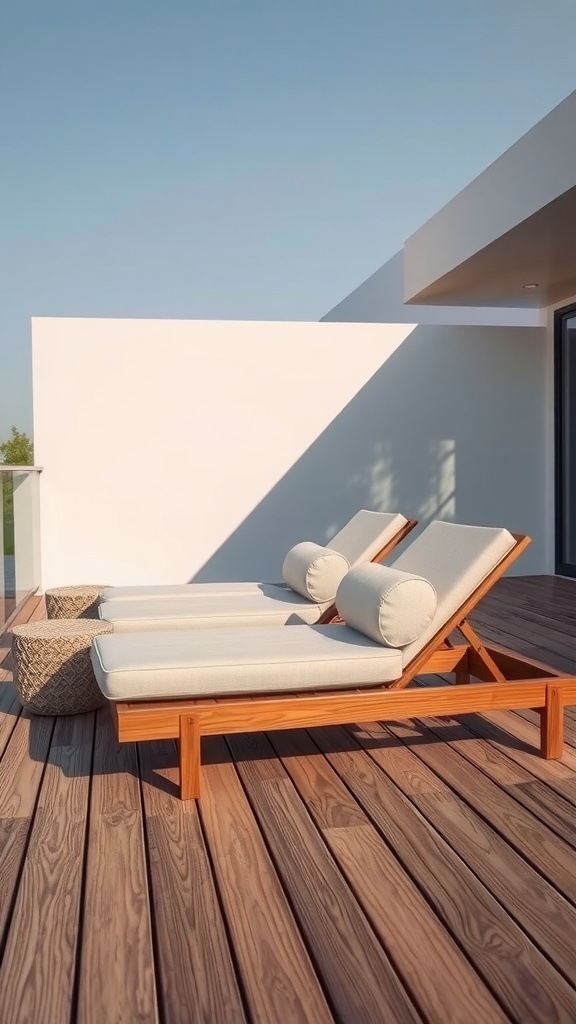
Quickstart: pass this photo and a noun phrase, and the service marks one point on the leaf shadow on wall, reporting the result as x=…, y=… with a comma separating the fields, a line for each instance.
x=433, y=434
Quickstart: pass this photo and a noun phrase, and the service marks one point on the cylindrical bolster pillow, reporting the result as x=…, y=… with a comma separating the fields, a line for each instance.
x=392, y=607
x=313, y=571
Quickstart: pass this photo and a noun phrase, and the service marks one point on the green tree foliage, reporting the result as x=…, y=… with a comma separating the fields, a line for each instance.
x=17, y=450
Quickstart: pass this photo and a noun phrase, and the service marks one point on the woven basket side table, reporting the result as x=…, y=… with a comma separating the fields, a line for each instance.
x=52, y=668
x=79, y=602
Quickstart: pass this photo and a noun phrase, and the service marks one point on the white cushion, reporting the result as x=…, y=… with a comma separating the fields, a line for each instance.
x=270, y=607
x=366, y=534
x=208, y=663
x=391, y=607
x=169, y=590
x=455, y=559
x=313, y=571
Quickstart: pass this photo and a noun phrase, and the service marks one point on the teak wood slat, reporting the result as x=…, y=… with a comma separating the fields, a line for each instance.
x=116, y=930
x=532, y=901
x=402, y=917
x=265, y=935
x=38, y=968
x=193, y=948
x=18, y=800
x=522, y=978
x=541, y=847
x=502, y=764
x=355, y=968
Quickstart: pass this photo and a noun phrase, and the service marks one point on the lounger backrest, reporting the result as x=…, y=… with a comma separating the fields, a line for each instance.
x=455, y=559
x=366, y=534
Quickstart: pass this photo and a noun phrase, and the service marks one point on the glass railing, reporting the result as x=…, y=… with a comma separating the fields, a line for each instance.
x=19, y=538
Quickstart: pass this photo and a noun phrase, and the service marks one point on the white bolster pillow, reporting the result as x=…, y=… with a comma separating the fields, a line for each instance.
x=313, y=571
x=392, y=607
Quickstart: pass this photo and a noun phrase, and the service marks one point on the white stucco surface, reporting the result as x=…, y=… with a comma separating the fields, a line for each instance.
x=179, y=450
x=160, y=438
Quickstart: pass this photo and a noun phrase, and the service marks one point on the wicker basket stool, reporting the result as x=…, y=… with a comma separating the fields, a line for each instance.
x=52, y=668
x=73, y=602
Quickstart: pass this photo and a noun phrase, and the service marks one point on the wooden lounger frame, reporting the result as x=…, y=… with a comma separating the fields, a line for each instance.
x=507, y=681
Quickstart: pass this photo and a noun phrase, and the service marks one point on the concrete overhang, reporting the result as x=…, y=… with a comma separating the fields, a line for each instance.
x=514, y=225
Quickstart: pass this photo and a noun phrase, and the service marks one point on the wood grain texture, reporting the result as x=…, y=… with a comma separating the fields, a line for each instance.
x=354, y=967
x=524, y=980
x=552, y=730
x=277, y=975
x=37, y=971
x=401, y=917
x=539, y=845
x=189, y=744
x=162, y=720
x=527, y=787
x=193, y=948
x=21, y=771
x=116, y=969
x=515, y=738
x=532, y=901
x=10, y=709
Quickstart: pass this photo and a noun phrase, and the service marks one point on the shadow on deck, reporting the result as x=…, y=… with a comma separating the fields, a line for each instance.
x=419, y=871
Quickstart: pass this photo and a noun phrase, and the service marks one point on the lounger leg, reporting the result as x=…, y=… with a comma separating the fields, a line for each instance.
x=462, y=672
x=189, y=757
x=552, y=724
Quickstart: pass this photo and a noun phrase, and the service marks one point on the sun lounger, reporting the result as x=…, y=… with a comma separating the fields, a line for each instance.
x=400, y=621
x=311, y=577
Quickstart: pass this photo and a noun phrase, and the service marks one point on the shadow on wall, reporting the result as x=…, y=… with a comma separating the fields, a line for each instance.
x=451, y=427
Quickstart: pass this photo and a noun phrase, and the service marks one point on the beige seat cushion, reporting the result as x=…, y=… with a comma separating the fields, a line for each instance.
x=192, y=590
x=359, y=541
x=267, y=608
x=366, y=534
x=208, y=663
x=455, y=559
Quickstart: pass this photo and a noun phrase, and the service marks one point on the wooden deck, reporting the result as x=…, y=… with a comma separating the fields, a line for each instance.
x=417, y=872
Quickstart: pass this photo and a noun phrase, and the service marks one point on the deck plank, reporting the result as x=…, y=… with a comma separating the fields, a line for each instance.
x=10, y=707
x=527, y=897
x=527, y=834
x=400, y=915
x=193, y=947
x=523, y=979
x=353, y=965
x=37, y=972
x=538, y=798
x=116, y=980
x=21, y=771
x=278, y=976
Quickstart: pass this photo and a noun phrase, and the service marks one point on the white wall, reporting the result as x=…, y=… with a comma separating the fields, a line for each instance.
x=161, y=440
x=380, y=299
x=532, y=173
x=175, y=450
x=466, y=412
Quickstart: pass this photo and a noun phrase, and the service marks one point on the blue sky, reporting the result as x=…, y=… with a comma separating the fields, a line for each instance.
x=243, y=158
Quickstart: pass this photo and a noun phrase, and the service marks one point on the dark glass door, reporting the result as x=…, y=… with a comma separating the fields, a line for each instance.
x=565, y=383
